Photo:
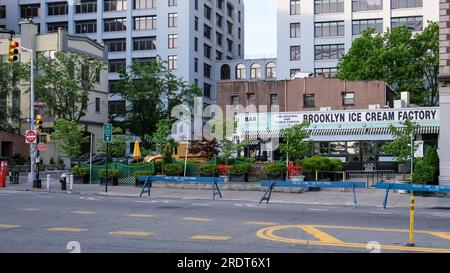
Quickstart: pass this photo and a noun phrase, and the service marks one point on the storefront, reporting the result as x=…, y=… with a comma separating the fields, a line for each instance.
x=354, y=136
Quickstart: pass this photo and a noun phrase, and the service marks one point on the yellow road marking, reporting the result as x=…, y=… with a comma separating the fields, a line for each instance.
x=132, y=233
x=261, y=223
x=196, y=219
x=31, y=209
x=66, y=229
x=141, y=215
x=82, y=212
x=268, y=234
x=8, y=226
x=207, y=237
x=443, y=235
x=322, y=236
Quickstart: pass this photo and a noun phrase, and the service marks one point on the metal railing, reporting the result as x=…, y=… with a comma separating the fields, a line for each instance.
x=371, y=177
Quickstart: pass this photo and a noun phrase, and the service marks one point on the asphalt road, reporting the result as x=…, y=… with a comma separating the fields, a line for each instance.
x=59, y=222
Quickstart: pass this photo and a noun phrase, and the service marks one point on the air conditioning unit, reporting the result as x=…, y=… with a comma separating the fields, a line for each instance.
x=374, y=107
x=325, y=109
x=399, y=104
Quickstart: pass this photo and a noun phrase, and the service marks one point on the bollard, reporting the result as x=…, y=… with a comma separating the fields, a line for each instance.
x=411, y=221
x=48, y=182
x=71, y=183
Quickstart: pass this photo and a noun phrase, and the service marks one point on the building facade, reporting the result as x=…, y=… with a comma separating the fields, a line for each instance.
x=47, y=45
x=313, y=35
x=189, y=34
x=444, y=73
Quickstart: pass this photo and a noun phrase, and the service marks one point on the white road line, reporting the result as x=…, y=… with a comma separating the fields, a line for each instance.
x=441, y=215
x=381, y=212
x=313, y=209
x=201, y=205
x=146, y=202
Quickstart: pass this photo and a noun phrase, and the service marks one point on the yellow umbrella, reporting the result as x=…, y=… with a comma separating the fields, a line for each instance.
x=137, y=150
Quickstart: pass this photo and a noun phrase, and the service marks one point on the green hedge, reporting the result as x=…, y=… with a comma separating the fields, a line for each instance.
x=79, y=171
x=208, y=169
x=173, y=169
x=276, y=168
x=321, y=163
x=239, y=168
x=111, y=173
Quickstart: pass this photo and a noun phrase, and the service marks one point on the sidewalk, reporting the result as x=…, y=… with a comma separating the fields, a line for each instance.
x=331, y=197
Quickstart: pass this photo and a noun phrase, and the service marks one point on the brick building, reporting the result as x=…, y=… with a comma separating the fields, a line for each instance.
x=12, y=144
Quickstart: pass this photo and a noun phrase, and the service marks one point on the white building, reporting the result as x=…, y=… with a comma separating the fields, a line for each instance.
x=189, y=34
x=313, y=34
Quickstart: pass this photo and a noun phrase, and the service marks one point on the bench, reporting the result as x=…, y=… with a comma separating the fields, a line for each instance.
x=309, y=184
x=214, y=181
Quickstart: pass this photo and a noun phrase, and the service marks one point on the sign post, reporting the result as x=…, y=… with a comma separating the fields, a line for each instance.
x=107, y=137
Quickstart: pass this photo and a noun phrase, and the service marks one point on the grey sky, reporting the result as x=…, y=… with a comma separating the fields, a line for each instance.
x=260, y=27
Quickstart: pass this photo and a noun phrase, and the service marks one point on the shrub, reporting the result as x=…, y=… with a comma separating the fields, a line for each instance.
x=426, y=170
x=142, y=173
x=52, y=161
x=114, y=173
x=321, y=163
x=239, y=169
x=78, y=171
x=173, y=169
x=223, y=169
x=247, y=160
x=276, y=168
x=209, y=169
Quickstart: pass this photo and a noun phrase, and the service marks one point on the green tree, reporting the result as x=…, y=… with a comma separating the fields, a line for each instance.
x=70, y=136
x=10, y=77
x=151, y=90
x=405, y=61
x=400, y=147
x=296, y=143
x=65, y=82
x=162, y=140
x=118, y=146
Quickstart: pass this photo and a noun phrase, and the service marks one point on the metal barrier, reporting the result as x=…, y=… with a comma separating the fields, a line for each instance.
x=148, y=180
x=371, y=177
x=310, y=184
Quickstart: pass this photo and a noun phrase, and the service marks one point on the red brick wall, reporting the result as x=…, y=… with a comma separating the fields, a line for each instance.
x=18, y=144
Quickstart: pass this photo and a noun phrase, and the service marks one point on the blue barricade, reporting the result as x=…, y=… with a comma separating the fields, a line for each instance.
x=148, y=180
x=310, y=184
x=408, y=187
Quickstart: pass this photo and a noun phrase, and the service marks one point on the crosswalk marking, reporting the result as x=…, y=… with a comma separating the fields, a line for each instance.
x=66, y=229
x=212, y=238
x=136, y=215
x=132, y=233
x=4, y=226
x=196, y=219
x=82, y=212
x=261, y=223
x=30, y=209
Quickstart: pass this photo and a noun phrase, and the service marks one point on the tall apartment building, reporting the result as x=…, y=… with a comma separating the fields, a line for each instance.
x=314, y=34
x=189, y=34
x=444, y=90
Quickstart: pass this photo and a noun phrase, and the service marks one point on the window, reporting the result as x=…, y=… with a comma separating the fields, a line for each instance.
x=196, y=44
x=53, y=27
x=116, y=107
x=414, y=23
x=308, y=100
x=295, y=7
x=59, y=8
x=219, y=55
x=86, y=7
x=271, y=70
x=295, y=53
x=172, y=62
x=229, y=28
x=251, y=99
x=144, y=23
x=86, y=26
x=230, y=10
x=327, y=72
x=173, y=19
x=115, y=66
x=230, y=45
x=207, y=31
x=2, y=11
x=329, y=29
x=404, y=4
x=144, y=43
x=220, y=4
x=225, y=72
x=196, y=65
x=207, y=90
x=219, y=38
x=207, y=71
x=255, y=71
x=116, y=24
x=115, y=5
x=29, y=11
x=359, y=26
x=240, y=71
x=273, y=99
x=219, y=20
x=348, y=98
x=117, y=45
x=172, y=3
x=113, y=87
x=295, y=30
x=328, y=6
x=207, y=12
x=97, y=105
x=207, y=51
x=365, y=5
x=173, y=40
x=144, y=4
x=196, y=23
x=144, y=61
x=329, y=52
x=234, y=100
x=294, y=72
x=196, y=4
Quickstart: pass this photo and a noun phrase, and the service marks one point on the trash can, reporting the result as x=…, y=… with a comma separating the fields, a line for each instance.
x=3, y=171
x=63, y=181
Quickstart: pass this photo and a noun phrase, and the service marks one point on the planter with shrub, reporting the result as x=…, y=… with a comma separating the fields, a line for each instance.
x=141, y=173
x=320, y=163
x=239, y=172
x=208, y=170
x=173, y=169
x=224, y=172
x=80, y=175
x=276, y=171
x=113, y=176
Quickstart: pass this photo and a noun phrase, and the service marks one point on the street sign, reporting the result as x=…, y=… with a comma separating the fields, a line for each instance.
x=30, y=136
x=107, y=132
x=43, y=147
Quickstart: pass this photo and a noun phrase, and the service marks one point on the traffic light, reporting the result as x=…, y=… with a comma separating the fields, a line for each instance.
x=39, y=122
x=13, y=52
